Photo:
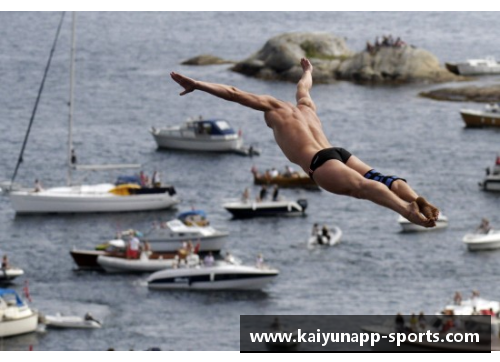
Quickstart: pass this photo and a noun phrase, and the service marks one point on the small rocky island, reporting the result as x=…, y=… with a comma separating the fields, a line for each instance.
x=487, y=94
x=386, y=61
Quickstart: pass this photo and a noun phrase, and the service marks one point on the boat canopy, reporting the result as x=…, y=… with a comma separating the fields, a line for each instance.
x=213, y=127
x=3, y=292
x=194, y=213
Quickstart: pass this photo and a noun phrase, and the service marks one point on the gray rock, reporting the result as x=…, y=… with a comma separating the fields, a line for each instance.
x=279, y=58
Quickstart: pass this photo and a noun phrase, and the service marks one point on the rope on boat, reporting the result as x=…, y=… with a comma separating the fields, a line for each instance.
x=20, y=159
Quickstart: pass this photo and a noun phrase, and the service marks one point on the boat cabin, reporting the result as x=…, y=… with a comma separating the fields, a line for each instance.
x=210, y=127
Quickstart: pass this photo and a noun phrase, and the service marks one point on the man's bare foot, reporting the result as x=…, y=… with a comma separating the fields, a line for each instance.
x=306, y=65
x=416, y=217
x=429, y=210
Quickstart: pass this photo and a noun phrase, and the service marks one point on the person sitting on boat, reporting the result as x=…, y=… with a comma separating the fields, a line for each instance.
x=260, y=261
x=422, y=323
x=133, y=249
x=156, y=180
x=399, y=323
x=275, y=193
x=484, y=227
x=209, y=259
x=457, y=298
x=274, y=173
x=263, y=193
x=325, y=232
x=5, y=263
x=38, y=186
x=245, y=197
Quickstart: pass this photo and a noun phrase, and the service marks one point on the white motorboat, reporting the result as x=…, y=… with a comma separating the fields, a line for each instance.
x=408, y=226
x=10, y=273
x=16, y=317
x=487, y=65
x=206, y=135
x=491, y=181
x=61, y=321
x=220, y=276
x=332, y=238
x=471, y=306
x=113, y=264
x=489, y=117
x=188, y=226
x=245, y=209
x=483, y=241
x=105, y=197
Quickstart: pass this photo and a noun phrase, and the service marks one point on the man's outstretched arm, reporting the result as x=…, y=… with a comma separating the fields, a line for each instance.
x=229, y=93
x=304, y=85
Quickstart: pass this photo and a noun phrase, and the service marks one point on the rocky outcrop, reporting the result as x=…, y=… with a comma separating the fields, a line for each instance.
x=279, y=59
x=490, y=94
x=206, y=59
x=400, y=64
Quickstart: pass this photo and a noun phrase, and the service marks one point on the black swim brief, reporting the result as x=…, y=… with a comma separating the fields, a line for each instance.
x=334, y=153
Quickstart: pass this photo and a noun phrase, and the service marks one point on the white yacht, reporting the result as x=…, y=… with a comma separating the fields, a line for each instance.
x=220, y=276
x=16, y=317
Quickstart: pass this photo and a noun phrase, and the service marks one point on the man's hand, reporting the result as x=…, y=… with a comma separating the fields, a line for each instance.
x=187, y=83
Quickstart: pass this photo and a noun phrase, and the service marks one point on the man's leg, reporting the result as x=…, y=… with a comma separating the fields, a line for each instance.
x=337, y=178
x=400, y=188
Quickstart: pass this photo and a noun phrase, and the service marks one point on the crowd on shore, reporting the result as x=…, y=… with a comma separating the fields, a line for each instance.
x=384, y=41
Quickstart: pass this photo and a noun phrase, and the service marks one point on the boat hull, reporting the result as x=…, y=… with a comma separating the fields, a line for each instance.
x=242, y=210
x=227, y=143
x=467, y=69
x=479, y=242
x=473, y=118
x=69, y=200
x=490, y=183
x=19, y=326
x=70, y=322
x=213, y=278
x=7, y=275
x=122, y=265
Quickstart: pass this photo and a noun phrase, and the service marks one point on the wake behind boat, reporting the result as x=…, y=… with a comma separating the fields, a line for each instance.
x=221, y=276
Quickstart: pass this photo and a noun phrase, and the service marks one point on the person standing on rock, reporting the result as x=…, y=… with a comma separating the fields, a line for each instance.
x=298, y=132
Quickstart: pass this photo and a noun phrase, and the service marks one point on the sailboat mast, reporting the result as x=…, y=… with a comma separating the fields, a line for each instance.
x=71, y=97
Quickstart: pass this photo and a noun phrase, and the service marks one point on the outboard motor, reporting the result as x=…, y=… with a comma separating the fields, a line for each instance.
x=303, y=204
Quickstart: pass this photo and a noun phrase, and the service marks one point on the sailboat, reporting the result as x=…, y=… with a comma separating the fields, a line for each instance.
x=106, y=197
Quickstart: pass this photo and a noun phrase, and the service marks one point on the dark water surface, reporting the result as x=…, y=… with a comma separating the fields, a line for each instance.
x=123, y=88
